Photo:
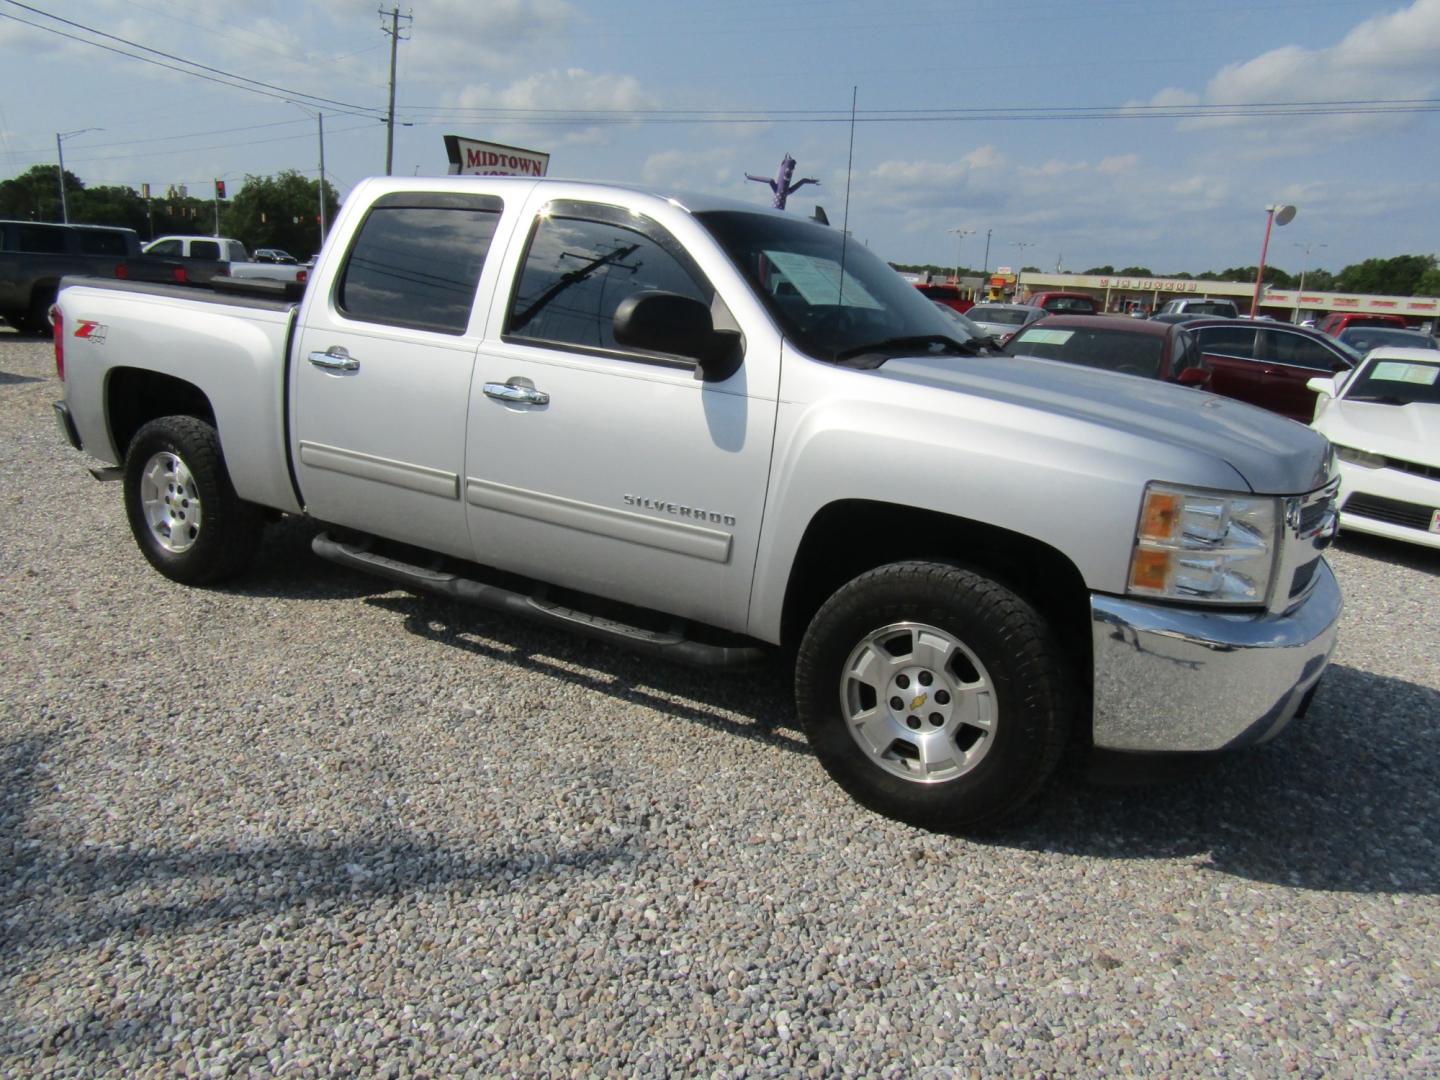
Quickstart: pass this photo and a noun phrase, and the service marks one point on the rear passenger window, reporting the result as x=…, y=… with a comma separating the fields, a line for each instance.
x=1228, y=340
x=102, y=242
x=417, y=259
x=204, y=249
x=583, y=260
x=40, y=238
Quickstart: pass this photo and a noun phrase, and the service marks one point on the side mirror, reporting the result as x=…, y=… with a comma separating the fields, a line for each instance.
x=1323, y=386
x=1194, y=376
x=667, y=322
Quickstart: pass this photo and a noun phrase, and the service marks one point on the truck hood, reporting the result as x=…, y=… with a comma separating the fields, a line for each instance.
x=1275, y=456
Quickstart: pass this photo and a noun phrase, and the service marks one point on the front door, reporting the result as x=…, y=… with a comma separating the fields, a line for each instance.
x=602, y=468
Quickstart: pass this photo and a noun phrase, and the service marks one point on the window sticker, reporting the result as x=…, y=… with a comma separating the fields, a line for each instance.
x=1397, y=371
x=1046, y=337
x=817, y=280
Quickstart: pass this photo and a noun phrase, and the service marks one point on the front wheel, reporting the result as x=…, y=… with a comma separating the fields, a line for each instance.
x=186, y=518
x=933, y=695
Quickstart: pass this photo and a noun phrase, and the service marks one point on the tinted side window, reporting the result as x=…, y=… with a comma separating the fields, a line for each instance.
x=204, y=249
x=578, y=270
x=96, y=242
x=1187, y=353
x=166, y=247
x=417, y=260
x=1298, y=351
x=38, y=238
x=1228, y=340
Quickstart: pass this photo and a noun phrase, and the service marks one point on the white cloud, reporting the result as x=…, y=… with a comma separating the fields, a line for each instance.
x=1391, y=56
x=550, y=105
x=686, y=170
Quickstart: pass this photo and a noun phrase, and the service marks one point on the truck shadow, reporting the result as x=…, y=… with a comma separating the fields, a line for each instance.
x=1346, y=800
x=750, y=705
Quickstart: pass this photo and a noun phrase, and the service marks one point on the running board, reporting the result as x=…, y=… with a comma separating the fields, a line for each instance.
x=669, y=645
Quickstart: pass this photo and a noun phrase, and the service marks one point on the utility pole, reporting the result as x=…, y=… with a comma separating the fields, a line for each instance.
x=960, y=234
x=394, y=31
x=321, y=118
x=986, y=271
x=60, y=137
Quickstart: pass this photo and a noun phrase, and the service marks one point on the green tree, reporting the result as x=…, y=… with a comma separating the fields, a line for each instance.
x=279, y=211
x=1400, y=276
x=1106, y=269
x=1429, y=283
x=1319, y=280
x=1136, y=271
x=35, y=196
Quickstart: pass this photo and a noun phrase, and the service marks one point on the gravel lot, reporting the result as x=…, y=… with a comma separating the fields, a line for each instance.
x=307, y=824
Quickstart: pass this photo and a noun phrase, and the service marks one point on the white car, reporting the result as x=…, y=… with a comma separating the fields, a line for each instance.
x=1384, y=421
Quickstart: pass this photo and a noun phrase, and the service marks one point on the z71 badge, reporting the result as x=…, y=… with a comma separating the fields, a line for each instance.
x=91, y=331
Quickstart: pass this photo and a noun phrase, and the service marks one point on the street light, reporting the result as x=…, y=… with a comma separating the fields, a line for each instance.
x=960, y=234
x=1020, y=269
x=320, y=120
x=1304, y=266
x=60, y=137
x=1275, y=214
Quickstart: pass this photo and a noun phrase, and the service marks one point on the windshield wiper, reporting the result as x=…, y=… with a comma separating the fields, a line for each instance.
x=897, y=346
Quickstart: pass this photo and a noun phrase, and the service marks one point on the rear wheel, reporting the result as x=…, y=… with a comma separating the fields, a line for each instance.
x=933, y=695
x=186, y=518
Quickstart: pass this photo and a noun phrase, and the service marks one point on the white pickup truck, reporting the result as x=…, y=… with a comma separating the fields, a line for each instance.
x=679, y=424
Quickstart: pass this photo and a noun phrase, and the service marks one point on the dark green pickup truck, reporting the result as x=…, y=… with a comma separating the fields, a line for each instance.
x=35, y=255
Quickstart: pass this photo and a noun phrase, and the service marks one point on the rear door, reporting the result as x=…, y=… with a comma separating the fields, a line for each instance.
x=1232, y=353
x=1290, y=361
x=382, y=364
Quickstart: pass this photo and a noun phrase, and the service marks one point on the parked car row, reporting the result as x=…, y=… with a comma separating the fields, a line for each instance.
x=1373, y=390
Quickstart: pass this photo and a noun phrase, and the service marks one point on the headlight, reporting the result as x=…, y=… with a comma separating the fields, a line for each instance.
x=1204, y=547
x=1360, y=457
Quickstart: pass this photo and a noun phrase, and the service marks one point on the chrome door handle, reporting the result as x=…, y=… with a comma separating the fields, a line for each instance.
x=335, y=358
x=516, y=391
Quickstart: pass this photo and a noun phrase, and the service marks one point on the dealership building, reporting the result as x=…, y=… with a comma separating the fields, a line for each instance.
x=1125, y=294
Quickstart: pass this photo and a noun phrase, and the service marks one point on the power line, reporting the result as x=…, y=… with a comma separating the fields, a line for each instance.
x=240, y=82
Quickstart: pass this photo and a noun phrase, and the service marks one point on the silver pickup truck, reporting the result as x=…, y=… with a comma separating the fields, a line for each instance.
x=712, y=432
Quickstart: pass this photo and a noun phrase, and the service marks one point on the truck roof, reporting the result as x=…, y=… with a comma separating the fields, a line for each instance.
x=690, y=201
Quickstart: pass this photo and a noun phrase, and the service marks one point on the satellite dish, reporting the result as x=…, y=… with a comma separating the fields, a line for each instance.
x=1284, y=215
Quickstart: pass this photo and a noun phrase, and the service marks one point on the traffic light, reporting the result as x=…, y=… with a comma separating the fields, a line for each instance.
x=219, y=189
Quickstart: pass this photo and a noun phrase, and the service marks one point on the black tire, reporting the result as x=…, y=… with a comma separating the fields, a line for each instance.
x=38, y=319
x=1000, y=729
x=173, y=469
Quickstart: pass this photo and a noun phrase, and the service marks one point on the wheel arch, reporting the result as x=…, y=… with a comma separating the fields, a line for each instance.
x=886, y=533
x=134, y=397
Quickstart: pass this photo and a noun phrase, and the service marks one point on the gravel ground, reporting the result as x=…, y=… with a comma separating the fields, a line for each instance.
x=310, y=825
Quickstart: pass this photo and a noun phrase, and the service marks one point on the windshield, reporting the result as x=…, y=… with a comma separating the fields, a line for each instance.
x=1113, y=350
x=794, y=267
x=1396, y=382
x=999, y=315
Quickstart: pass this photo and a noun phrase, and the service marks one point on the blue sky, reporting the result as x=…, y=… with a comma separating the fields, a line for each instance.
x=1129, y=132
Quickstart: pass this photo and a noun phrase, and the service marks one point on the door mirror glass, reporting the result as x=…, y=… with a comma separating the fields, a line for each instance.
x=1194, y=376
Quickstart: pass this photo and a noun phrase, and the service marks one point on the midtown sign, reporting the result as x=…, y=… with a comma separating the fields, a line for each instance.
x=469, y=157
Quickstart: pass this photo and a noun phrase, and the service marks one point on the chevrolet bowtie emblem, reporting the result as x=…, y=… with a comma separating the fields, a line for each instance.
x=919, y=701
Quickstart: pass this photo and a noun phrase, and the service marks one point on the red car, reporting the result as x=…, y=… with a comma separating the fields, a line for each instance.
x=1269, y=363
x=948, y=295
x=1336, y=321
x=1066, y=303
x=1152, y=350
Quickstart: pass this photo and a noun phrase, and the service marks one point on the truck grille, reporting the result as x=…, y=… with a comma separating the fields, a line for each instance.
x=1310, y=526
x=1393, y=511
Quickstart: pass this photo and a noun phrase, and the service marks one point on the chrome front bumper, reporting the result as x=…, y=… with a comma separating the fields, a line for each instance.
x=1182, y=679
